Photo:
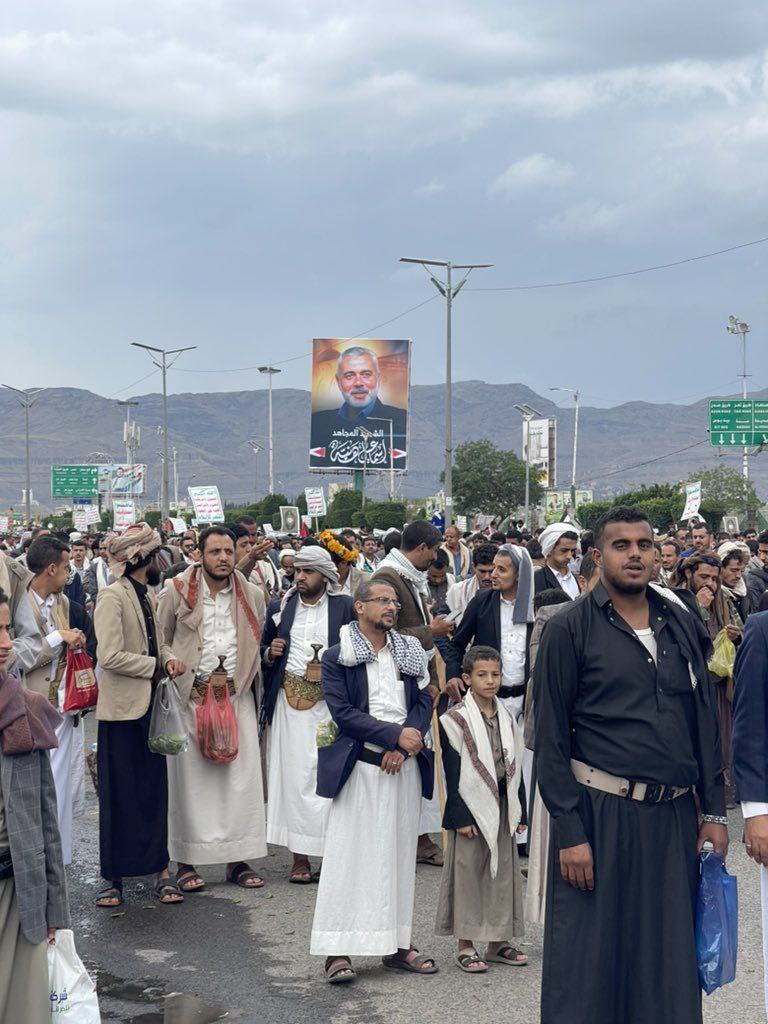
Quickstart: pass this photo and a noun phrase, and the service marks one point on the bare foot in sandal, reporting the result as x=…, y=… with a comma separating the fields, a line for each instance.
x=338, y=969
x=301, y=872
x=188, y=880
x=242, y=874
x=504, y=953
x=469, y=960
x=111, y=896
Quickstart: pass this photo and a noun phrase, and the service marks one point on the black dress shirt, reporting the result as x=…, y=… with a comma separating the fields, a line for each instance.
x=601, y=699
x=149, y=618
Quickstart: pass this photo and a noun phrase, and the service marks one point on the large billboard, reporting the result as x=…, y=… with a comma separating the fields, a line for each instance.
x=122, y=480
x=542, y=443
x=360, y=393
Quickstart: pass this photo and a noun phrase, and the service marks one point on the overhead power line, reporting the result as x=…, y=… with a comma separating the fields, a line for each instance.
x=624, y=273
x=648, y=462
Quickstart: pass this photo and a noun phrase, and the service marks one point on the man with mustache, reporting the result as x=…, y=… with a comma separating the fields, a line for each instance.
x=357, y=377
x=626, y=728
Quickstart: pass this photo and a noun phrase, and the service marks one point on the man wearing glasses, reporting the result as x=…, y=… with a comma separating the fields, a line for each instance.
x=373, y=765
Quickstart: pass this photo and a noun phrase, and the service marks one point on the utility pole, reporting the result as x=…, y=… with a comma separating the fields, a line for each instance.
x=175, y=480
x=736, y=326
x=131, y=432
x=164, y=365
x=575, y=393
x=449, y=291
x=528, y=413
x=26, y=400
x=271, y=370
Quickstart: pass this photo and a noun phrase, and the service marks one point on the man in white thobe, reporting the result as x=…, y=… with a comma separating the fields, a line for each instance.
x=299, y=628
x=211, y=618
x=375, y=769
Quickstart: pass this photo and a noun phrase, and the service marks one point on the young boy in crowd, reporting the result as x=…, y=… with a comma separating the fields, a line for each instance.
x=481, y=888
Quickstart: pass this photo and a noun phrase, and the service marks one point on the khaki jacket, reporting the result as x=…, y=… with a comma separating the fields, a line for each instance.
x=466, y=559
x=182, y=631
x=38, y=677
x=125, y=688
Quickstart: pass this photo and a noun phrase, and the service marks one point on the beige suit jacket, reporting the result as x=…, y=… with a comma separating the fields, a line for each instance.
x=182, y=631
x=125, y=688
x=38, y=678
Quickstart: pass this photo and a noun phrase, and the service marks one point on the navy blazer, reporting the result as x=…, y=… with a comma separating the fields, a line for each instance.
x=480, y=626
x=346, y=694
x=341, y=610
x=750, y=711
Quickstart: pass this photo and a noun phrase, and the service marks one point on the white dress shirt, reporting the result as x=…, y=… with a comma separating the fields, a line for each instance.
x=569, y=583
x=219, y=632
x=45, y=606
x=513, y=646
x=386, y=690
x=310, y=626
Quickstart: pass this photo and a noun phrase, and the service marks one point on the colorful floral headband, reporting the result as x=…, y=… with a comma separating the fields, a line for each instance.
x=335, y=547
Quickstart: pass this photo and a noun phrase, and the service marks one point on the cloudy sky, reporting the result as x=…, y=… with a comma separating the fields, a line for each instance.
x=244, y=177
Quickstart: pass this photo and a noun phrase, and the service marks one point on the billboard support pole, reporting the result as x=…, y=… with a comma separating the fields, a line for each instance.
x=528, y=413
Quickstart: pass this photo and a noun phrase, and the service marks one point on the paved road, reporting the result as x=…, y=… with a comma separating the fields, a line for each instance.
x=246, y=953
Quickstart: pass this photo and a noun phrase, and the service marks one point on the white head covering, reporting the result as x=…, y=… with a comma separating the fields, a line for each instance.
x=552, y=535
x=317, y=558
x=523, y=610
x=731, y=547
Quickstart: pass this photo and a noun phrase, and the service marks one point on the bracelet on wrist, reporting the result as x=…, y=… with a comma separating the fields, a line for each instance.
x=715, y=819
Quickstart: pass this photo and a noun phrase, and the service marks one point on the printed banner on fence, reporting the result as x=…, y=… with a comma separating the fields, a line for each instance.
x=360, y=396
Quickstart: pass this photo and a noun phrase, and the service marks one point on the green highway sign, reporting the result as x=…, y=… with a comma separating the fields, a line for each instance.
x=74, y=481
x=737, y=423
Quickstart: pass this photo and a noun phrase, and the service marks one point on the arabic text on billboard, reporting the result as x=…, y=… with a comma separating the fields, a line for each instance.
x=360, y=385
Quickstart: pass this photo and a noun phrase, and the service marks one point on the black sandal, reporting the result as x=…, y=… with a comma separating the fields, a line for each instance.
x=166, y=887
x=467, y=961
x=185, y=877
x=338, y=970
x=110, y=892
x=242, y=873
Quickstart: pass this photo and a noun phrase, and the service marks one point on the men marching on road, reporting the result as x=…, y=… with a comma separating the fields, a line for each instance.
x=60, y=624
x=133, y=784
x=558, y=545
x=375, y=772
x=300, y=627
x=626, y=728
x=211, y=618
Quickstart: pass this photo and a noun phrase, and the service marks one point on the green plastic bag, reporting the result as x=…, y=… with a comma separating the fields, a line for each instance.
x=723, y=656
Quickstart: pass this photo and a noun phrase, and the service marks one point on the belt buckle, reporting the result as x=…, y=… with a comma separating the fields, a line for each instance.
x=654, y=794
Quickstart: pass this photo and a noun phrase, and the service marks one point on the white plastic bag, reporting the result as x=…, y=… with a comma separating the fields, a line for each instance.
x=72, y=993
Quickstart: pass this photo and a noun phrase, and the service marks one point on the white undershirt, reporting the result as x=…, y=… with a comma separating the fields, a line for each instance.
x=513, y=646
x=310, y=626
x=386, y=690
x=648, y=640
x=219, y=632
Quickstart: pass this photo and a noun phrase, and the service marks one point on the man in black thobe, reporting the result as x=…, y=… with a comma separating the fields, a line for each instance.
x=626, y=728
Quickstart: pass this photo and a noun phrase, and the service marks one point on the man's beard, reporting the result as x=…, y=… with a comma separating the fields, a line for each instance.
x=153, y=576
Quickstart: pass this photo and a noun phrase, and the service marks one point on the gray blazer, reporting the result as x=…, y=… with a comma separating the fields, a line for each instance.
x=33, y=833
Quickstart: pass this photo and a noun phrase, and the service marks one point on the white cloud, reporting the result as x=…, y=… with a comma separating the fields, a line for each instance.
x=534, y=171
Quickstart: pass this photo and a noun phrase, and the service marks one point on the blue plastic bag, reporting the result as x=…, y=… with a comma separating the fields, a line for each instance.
x=717, y=923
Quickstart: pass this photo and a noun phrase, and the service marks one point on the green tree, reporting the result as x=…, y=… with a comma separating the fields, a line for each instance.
x=381, y=514
x=490, y=480
x=340, y=511
x=724, y=490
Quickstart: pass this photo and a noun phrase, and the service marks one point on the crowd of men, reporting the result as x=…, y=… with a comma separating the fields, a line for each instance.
x=591, y=700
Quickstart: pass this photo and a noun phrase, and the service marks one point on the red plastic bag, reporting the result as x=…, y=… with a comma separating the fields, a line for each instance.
x=80, y=688
x=217, y=725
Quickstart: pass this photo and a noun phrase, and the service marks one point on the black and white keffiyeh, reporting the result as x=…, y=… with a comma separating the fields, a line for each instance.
x=408, y=654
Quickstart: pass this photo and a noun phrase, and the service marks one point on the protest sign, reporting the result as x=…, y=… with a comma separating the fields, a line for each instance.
x=207, y=505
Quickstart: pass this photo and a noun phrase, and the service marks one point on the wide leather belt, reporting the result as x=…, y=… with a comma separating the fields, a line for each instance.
x=511, y=691
x=6, y=865
x=645, y=792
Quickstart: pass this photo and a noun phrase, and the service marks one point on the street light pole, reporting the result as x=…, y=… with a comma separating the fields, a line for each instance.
x=736, y=326
x=449, y=291
x=528, y=413
x=271, y=370
x=388, y=419
x=164, y=365
x=26, y=400
x=575, y=393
